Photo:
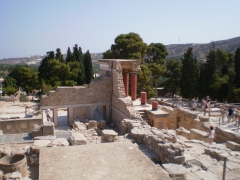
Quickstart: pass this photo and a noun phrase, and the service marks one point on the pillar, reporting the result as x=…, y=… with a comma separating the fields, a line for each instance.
x=155, y=105
x=134, y=86
x=55, y=117
x=143, y=98
x=126, y=82
x=70, y=115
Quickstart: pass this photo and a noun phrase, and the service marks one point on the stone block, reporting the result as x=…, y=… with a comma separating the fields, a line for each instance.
x=176, y=172
x=101, y=124
x=15, y=176
x=50, y=137
x=199, y=135
x=137, y=134
x=48, y=128
x=77, y=139
x=79, y=125
x=233, y=146
x=92, y=124
x=60, y=142
x=109, y=136
x=41, y=143
x=36, y=130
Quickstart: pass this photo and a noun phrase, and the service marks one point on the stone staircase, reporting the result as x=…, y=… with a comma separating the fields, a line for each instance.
x=144, y=116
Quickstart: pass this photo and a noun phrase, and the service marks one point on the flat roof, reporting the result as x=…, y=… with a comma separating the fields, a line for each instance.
x=106, y=161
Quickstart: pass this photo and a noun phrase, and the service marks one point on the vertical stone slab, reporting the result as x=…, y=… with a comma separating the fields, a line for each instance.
x=55, y=117
x=126, y=82
x=70, y=115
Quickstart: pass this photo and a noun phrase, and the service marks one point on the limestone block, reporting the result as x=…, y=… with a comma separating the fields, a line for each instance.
x=204, y=118
x=1, y=175
x=233, y=146
x=199, y=135
x=1, y=132
x=137, y=134
x=179, y=159
x=101, y=124
x=79, y=125
x=41, y=143
x=49, y=137
x=77, y=139
x=7, y=151
x=60, y=142
x=36, y=130
x=15, y=176
x=109, y=136
x=175, y=171
x=92, y=124
x=48, y=128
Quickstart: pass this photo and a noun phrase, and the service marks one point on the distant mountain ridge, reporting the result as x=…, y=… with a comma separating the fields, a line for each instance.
x=201, y=50
x=175, y=51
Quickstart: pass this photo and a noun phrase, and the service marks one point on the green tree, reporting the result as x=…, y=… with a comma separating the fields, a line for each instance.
x=237, y=68
x=127, y=46
x=59, y=55
x=69, y=57
x=157, y=71
x=156, y=53
x=189, y=75
x=144, y=82
x=172, y=75
x=88, y=67
x=25, y=77
x=78, y=57
x=9, y=86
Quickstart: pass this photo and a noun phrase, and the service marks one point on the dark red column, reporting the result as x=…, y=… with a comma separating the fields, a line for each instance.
x=126, y=82
x=134, y=86
x=143, y=98
x=155, y=105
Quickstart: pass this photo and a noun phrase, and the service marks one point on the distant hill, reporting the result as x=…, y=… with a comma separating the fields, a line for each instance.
x=35, y=60
x=201, y=50
x=175, y=51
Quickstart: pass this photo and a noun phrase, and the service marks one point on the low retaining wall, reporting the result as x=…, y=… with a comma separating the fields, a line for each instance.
x=24, y=125
x=222, y=136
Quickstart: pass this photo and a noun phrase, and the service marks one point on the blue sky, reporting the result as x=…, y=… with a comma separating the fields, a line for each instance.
x=30, y=27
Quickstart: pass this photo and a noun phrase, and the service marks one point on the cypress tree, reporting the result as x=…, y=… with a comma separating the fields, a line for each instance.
x=78, y=57
x=88, y=67
x=59, y=55
x=237, y=68
x=69, y=57
x=189, y=75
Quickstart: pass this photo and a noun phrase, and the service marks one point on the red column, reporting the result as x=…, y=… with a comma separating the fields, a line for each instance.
x=155, y=105
x=126, y=82
x=134, y=86
x=143, y=98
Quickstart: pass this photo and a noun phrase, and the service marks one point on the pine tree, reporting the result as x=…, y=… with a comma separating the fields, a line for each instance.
x=189, y=75
x=88, y=67
x=69, y=57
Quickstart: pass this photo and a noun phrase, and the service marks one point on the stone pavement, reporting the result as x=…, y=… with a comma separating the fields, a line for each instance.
x=107, y=161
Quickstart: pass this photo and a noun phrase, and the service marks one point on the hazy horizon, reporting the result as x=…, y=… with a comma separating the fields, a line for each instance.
x=35, y=27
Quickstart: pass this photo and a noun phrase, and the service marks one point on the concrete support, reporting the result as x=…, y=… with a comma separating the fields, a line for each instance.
x=55, y=117
x=126, y=82
x=92, y=113
x=143, y=98
x=70, y=115
x=154, y=105
x=134, y=86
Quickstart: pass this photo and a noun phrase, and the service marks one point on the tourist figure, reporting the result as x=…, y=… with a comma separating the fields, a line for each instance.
x=48, y=112
x=207, y=105
x=211, y=134
x=230, y=114
x=223, y=113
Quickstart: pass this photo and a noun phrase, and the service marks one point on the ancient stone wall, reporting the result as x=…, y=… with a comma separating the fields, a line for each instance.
x=98, y=91
x=82, y=113
x=222, y=135
x=186, y=119
x=122, y=106
x=19, y=125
